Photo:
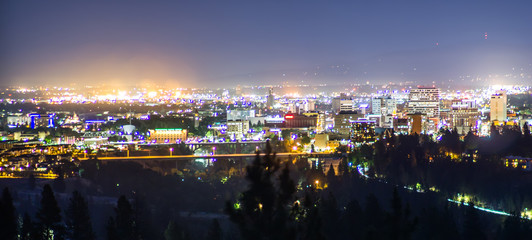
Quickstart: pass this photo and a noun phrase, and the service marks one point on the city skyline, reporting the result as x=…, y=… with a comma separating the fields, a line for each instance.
x=191, y=44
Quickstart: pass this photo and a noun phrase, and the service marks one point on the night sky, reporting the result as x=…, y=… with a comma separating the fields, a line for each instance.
x=222, y=43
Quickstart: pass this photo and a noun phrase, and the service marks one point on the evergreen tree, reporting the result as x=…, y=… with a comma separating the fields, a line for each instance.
x=312, y=227
x=515, y=228
x=437, y=225
x=143, y=218
x=174, y=232
x=352, y=219
x=49, y=216
x=472, y=226
x=8, y=217
x=526, y=131
x=125, y=221
x=494, y=132
x=263, y=208
x=331, y=175
x=27, y=228
x=331, y=215
x=373, y=218
x=399, y=222
x=215, y=231
x=343, y=168
x=111, y=230
x=78, y=218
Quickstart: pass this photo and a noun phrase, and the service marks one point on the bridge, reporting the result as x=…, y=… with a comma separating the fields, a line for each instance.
x=215, y=156
x=170, y=163
x=234, y=147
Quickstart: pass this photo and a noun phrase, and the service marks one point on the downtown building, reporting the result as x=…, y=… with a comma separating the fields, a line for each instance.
x=167, y=135
x=384, y=108
x=463, y=116
x=343, y=121
x=424, y=103
x=498, y=107
x=425, y=100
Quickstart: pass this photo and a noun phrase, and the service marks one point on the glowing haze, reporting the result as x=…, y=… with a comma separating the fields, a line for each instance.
x=222, y=43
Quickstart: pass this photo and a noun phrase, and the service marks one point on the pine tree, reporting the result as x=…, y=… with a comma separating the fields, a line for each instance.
x=111, y=229
x=396, y=216
x=125, y=222
x=263, y=208
x=352, y=219
x=331, y=176
x=343, y=168
x=8, y=217
x=27, y=228
x=494, y=132
x=526, y=131
x=215, y=231
x=472, y=226
x=174, y=232
x=78, y=218
x=49, y=216
x=373, y=218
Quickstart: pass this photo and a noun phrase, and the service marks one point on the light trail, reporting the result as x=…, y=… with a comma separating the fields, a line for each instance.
x=486, y=209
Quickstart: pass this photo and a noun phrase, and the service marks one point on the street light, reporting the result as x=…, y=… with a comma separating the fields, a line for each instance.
x=171, y=150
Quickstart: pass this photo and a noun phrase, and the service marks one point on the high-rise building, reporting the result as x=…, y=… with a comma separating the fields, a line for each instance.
x=425, y=100
x=237, y=129
x=342, y=103
x=383, y=106
x=320, y=124
x=300, y=121
x=240, y=114
x=270, y=100
x=343, y=120
x=498, y=106
x=363, y=131
x=463, y=115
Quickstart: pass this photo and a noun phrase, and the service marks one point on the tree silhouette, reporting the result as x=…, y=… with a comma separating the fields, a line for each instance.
x=8, y=218
x=49, y=216
x=472, y=226
x=111, y=229
x=331, y=175
x=125, y=222
x=215, y=232
x=373, y=218
x=263, y=208
x=78, y=218
x=515, y=228
x=400, y=224
x=27, y=229
x=174, y=232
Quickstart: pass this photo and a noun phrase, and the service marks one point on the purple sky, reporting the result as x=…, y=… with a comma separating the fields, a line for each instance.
x=222, y=43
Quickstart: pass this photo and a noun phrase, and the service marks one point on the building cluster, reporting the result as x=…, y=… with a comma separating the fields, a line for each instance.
x=330, y=119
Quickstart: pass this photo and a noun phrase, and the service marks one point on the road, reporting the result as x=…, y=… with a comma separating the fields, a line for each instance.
x=190, y=157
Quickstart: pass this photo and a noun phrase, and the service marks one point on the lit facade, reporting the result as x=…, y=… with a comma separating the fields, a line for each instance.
x=425, y=100
x=237, y=129
x=168, y=135
x=363, y=131
x=498, y=106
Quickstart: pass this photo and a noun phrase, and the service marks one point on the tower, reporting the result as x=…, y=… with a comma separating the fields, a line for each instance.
x=270, y=100
x=498, y=106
